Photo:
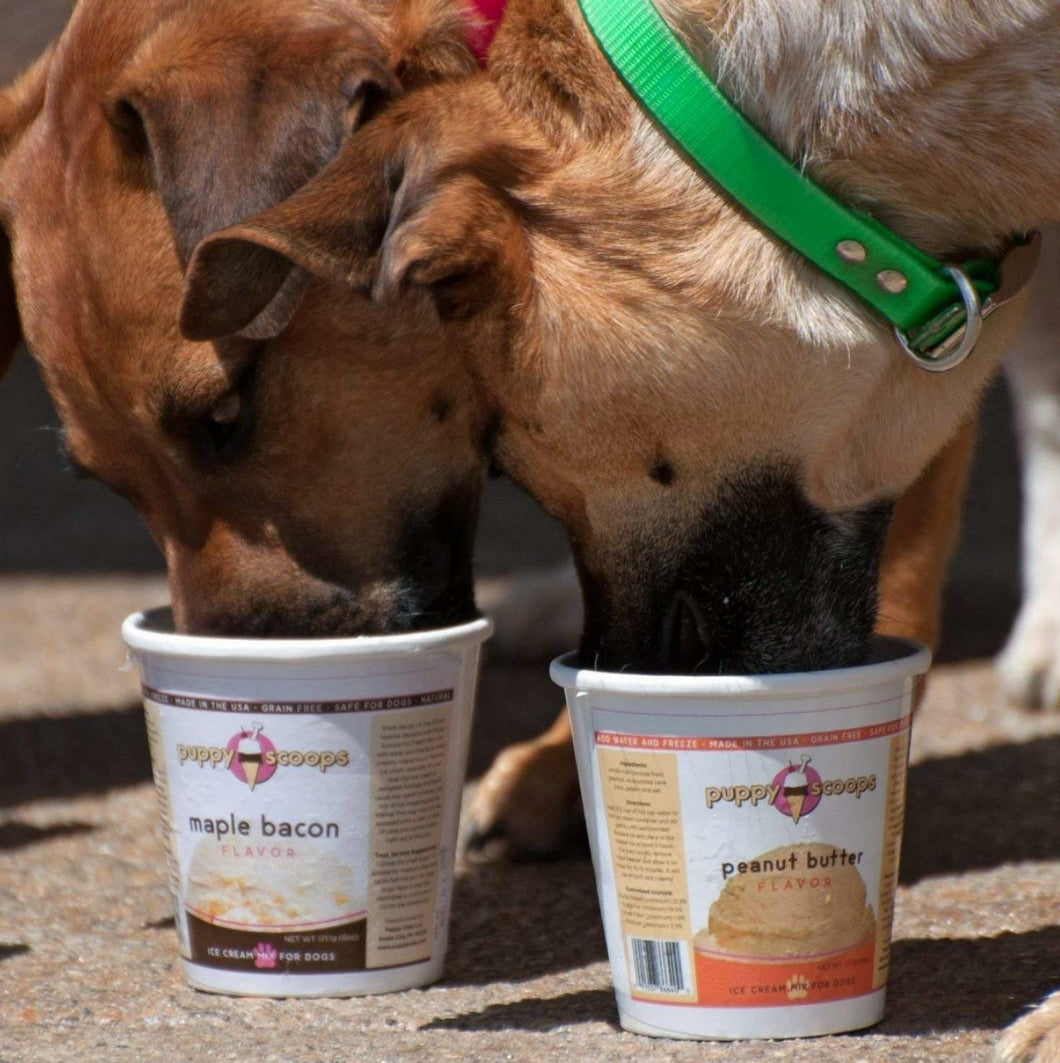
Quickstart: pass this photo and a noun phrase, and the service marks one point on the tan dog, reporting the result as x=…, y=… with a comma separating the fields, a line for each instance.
x=723, y=432
x=146, y=127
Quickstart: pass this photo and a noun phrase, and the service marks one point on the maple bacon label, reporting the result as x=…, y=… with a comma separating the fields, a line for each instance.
x=304, y=844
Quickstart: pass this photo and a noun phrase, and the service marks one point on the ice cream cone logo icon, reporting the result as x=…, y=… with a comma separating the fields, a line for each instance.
x=797, y=789
x=248, y=753
x=250, y=762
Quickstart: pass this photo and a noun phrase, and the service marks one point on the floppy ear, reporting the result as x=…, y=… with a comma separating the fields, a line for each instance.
x=226, y=127
x=429, y=41
x=401, y=206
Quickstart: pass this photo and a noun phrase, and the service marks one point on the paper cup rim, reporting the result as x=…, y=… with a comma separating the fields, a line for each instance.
x=140, y=637
x=897, y=659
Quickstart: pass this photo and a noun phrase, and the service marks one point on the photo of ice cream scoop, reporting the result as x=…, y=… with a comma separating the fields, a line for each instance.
x=264, y=890
x=783, y=906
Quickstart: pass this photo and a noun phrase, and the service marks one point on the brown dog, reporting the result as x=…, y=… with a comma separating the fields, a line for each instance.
x=393, y=410
x=723, y=433
x=146, y=127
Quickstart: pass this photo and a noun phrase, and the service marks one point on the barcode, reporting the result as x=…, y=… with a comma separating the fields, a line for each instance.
x=659, y=966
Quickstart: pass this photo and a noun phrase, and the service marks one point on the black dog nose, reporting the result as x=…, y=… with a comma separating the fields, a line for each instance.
x=687, y=642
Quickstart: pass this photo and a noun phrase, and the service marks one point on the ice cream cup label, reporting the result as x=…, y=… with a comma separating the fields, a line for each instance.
x=305, y=837
x=754, y=870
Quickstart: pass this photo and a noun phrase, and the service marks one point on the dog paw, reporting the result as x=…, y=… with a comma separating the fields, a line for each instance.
x=527, y=806
x=1029, y=666
x=1035, y=1038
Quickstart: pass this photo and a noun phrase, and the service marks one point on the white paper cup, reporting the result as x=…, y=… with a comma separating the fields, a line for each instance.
x=310, y=794
x=745, y=834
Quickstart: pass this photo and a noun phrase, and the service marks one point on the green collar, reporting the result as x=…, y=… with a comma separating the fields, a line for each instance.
x=936, y=310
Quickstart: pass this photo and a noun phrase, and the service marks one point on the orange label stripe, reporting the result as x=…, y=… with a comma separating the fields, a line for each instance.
x=748, y=982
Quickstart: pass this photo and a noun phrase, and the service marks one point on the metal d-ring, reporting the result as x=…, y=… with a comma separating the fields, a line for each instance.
x=955, y=348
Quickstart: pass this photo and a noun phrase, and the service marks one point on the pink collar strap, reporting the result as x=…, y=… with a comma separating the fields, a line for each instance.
x=484, y=18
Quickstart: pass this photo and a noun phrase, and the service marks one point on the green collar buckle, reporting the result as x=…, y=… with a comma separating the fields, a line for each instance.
x=936, y=310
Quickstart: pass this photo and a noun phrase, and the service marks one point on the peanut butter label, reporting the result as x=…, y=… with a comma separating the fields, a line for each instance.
x=753, y=870
x=304, y=837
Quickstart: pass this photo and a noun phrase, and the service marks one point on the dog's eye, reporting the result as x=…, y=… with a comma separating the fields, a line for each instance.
x=216, y=429
x=127, y=123
x=226, y=422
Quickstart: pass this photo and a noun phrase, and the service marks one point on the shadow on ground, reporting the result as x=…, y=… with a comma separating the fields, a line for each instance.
x=538, y=1015
x=517, y=922
x=67, y=756
x=15, y=834
x=968, y=983
x=935, y=986
x=982, y=809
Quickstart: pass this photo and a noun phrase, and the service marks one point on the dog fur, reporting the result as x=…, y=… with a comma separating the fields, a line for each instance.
x=631, y=370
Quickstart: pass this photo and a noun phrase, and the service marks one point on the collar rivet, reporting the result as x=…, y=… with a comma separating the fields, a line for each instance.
x=890, y=280
x=850, y=251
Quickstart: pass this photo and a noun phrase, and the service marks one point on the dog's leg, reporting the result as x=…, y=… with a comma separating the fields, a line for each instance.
x=1035, y=1038
x=528, y=804
x=1030, y=663
x=919, y=543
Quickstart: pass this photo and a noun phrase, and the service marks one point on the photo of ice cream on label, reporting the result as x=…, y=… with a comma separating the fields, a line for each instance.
x=315, y=889
x=799, y=900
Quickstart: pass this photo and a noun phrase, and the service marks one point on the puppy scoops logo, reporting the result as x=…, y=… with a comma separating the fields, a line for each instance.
x=795, y=791
x=253, y=758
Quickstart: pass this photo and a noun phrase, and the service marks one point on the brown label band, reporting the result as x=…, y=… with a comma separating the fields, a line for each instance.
x=336, y=949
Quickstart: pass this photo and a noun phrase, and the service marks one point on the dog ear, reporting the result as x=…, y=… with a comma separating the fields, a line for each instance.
x=429, y=42
x=396, y=209
x=226, y=127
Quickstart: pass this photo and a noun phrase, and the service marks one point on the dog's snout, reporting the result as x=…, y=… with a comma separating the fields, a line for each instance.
x=312, y=611
x=767, y=582
x=252, y=594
